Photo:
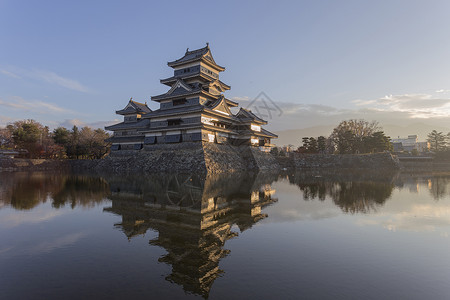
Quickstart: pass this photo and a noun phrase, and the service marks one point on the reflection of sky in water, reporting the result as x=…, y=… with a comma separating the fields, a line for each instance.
x=41, y=213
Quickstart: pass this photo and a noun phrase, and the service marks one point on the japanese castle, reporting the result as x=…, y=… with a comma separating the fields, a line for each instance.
x=193, y=110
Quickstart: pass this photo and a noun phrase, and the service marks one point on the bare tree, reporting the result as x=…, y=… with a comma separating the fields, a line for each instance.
x=348, y=136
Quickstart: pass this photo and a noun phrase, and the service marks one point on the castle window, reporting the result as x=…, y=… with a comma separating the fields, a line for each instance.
x=255, y=127
x=173, y=122
x=179, y=102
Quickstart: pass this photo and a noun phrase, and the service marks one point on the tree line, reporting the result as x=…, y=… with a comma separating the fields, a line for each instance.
x=349, y=137
x=34, y=140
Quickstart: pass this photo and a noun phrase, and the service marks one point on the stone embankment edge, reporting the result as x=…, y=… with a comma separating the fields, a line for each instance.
x=187, y=157
x=212, y=159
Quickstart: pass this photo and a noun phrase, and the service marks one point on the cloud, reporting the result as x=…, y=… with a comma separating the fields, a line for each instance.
x=45, y=247
x=45, y=76
x=10, y=74
x=442, y=91
x=69, y=123
x=417, y=217
x=306, y=109
x=54, y=78
x=415, y=105
x=18, y=103
x=36, y=216
x=60, y=242
x=407, y=110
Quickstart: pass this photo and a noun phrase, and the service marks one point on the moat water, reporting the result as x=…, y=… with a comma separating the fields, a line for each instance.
x=242, y=236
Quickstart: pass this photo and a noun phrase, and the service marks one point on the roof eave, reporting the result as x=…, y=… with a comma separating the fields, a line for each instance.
x=167, y=97
x=177, y=63
x=231, y=103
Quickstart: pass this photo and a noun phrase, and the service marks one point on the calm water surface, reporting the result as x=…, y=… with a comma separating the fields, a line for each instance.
x=259, y=236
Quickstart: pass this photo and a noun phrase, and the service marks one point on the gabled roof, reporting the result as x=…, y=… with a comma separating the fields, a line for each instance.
x=245, y=114
x=179, y=87
x=221, y=106
x=134, y=107
x=220, y=85
x=203, y=54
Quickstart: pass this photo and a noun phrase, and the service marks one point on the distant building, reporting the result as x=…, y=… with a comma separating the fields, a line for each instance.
x=193, y=110
x=409, y=144
x=288, y=148
x=9, y=153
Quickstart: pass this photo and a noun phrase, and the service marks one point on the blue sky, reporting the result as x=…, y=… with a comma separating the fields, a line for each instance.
x=76, y=62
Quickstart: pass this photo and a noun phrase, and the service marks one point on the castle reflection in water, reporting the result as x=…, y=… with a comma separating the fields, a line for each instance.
x=193, y=217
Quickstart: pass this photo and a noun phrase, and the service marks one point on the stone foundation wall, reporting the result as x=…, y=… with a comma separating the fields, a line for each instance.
x=223, y=158
x=264, y=160
x=161, y=158
x=196, y=157
x=22, y=164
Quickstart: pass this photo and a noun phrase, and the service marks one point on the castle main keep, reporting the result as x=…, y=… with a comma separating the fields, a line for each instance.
x=194, y=109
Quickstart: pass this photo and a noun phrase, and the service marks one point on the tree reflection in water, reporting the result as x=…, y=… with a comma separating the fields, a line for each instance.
x=353, y=192
x=356, y=191
x=24, y=191
x=438, y=185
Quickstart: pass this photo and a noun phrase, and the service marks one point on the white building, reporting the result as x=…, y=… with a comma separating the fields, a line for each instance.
x=409, y=144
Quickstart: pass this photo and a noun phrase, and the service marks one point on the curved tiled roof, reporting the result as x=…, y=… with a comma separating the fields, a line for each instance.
x=198, y=54
x=267, y=132
x=247, y=114
x=134, y=107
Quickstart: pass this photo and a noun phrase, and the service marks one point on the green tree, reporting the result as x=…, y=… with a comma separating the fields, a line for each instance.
x=345, y=142
x=313, y=147
x=73, y=147
x=321, y=144
x=28, y=135
x=305, y=142
x=437, y=140
x=61, y=136
x=377, y=142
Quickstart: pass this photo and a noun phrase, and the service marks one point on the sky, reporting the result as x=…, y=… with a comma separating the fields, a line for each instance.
x=66, y=63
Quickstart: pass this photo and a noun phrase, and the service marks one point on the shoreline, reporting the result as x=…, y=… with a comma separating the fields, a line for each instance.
x=216, y=162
